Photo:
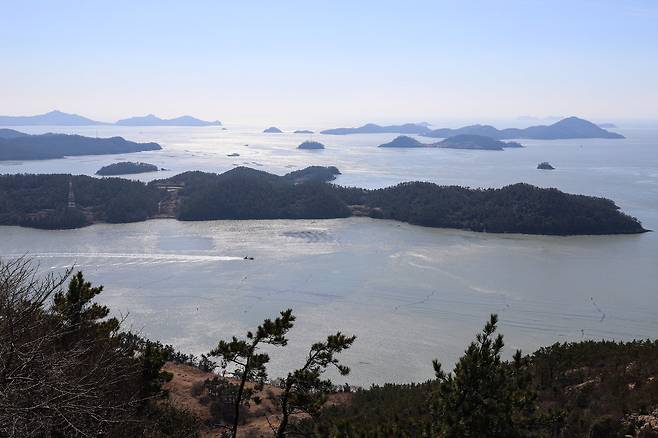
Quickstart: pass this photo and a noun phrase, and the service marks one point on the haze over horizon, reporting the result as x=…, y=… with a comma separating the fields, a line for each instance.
x=288, y=63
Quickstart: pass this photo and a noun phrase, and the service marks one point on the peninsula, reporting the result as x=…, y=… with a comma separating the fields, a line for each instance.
x=14, y=146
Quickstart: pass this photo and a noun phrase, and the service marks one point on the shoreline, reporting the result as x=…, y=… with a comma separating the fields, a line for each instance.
x=485, y=233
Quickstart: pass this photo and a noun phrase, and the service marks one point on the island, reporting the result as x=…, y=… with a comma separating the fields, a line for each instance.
x=66, y=201
x=311, y=145
x=126, y=168
x=152, y=120
x=53, y=118
x=272, y=130
x=233, y=154
x=404, y=141
x=372, y=128
x=313, y=173
x=545, y=165
x=462, y=141
x=48, y=146
x=303, y=131
x=570, y=127
x=479, y=142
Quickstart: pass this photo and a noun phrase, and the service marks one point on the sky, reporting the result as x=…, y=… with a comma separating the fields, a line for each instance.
x=283, y=62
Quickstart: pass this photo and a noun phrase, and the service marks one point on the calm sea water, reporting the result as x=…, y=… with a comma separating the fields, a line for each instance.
x=411, y=294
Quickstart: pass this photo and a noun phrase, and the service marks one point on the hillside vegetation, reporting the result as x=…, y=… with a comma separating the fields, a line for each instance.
x=244, y=193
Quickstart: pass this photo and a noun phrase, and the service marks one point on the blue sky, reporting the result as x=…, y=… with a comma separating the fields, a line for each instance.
x=331, y=61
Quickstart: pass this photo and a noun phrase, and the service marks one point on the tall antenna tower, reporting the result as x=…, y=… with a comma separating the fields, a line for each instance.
x=71, y=201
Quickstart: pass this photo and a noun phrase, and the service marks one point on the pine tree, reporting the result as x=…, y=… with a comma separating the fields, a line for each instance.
x=484, y=396
x=250, y=364
x=77, y=309
x=304, y=390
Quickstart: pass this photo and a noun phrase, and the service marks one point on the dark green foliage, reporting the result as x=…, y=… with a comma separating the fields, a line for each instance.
x=59, y=219
x=588, y=381
x=249, y=363
x=304, y=390
x=313, y=173
x=67, y=371
x=582, y=389
x=244, y=193
x=390, y=410
x=152, y=359
x=125, y=168
x=45, y=146
x=78, y=310
x=484, y=396
x=164, y=420
x=518, y=208
x=41, y=200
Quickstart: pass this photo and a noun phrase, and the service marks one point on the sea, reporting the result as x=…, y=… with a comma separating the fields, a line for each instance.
x=410, y=294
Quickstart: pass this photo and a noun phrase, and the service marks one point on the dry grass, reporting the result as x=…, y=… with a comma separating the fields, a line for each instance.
x=185, y=391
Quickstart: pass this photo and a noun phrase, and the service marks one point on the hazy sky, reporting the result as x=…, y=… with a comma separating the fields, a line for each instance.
x=278, y=62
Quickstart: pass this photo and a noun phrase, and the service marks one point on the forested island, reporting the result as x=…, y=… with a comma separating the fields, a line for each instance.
x=310, y=145
x=15, y=145
x=545, y=165
x=126, y=168
x=244, y=193
x=71, y=369
x=313, y=174
x=462, y=141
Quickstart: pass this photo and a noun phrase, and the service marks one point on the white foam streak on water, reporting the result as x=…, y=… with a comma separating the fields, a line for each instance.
x=411, y=294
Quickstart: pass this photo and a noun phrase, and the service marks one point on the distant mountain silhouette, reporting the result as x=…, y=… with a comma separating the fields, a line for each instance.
x=10, y=133
x=152, y=120
x=404, y=141
x=303, y=131
x=371, y=128
x=53, y=118
x=463, y=141
x=466, y=141
x=571, y=127
x=45, y=146
x=272, y=130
